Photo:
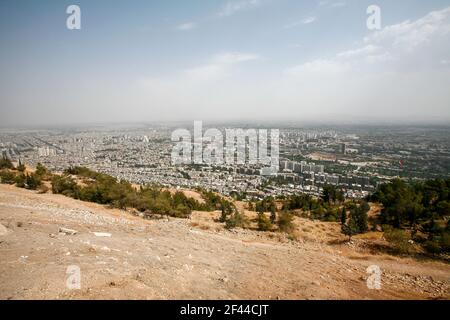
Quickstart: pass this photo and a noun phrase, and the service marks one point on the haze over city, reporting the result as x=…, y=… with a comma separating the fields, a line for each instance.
x=224, y=60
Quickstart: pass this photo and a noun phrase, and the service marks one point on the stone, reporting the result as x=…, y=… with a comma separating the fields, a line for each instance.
x=102, y=234
x=3, y=230
x=67, y=231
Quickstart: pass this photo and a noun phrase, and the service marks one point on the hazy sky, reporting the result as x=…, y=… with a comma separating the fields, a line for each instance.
x=224, y=60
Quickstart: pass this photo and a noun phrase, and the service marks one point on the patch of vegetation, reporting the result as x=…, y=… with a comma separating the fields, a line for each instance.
x=356, y=223
x=418, y=207
x=5, y=163
x=264, y=223
x=236, y=220
x=398, y=238
x=7, y=177
x=285, y=222
x=105, y=189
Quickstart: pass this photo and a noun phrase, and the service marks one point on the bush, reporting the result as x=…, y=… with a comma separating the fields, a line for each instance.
x=43, y=172
x=285, y=222
x=432, y=247
x=398, y=239
x=32, y=181
x=5, y=163
x=236, y=220
x=65, y=185
x=264, y=223
x=445, y=242
x=20, y=181
x=7, y=177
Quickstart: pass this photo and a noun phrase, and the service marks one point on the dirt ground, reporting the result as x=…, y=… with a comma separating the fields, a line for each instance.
x=188, y=259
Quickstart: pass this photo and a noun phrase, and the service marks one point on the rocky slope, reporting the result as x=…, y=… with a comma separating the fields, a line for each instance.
x=121, y=256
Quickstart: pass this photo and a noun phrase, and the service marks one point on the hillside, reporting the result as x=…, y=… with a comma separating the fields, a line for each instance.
x=184, y=259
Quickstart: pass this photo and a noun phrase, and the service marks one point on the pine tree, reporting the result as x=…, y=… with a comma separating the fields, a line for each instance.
x=21, y=167
x=350, y=228
x=362, y=217
x=273, y=214
x=343, y=216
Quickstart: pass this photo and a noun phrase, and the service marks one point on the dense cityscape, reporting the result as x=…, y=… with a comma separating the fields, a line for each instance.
x=355, y=160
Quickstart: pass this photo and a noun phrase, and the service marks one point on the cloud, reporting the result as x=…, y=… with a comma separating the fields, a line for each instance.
x=408, y=35
x=304, y=21
x=309, y=20
x=235, y=57
x=404, y=46
x=233, y=7
x=187, y=26
x=329, y=4
x=399, y=73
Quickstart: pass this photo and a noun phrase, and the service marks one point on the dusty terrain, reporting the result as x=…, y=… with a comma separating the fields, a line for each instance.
x=187, y=259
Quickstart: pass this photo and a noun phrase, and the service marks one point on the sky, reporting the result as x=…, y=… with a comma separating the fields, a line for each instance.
x=220, y=60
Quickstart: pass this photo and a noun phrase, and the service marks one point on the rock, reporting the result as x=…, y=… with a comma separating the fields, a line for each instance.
x=102, y=234
x=3, y=230
x=69, y=232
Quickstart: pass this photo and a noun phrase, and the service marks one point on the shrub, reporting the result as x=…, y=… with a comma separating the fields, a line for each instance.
x=32, y=181
x=20, y=181
x=43, y=172
x=273, y=215
x=432, y=247
x=236, y=220
x=398, y=239
x=445, y=242
x=65, y=185
x=285, y=222
x=5, y=163
x=264, y=224
x=7, y=177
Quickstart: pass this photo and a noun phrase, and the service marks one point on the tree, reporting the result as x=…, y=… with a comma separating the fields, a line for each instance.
x=331, y=194
x=343, y=216
x=21, y=167
x=358, y=220
x=362, y=217
x=273, y=215
x=41, y=171
x=226, y=209
x=350, y=228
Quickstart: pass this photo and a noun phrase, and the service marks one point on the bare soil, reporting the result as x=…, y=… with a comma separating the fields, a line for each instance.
x=189, y=259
